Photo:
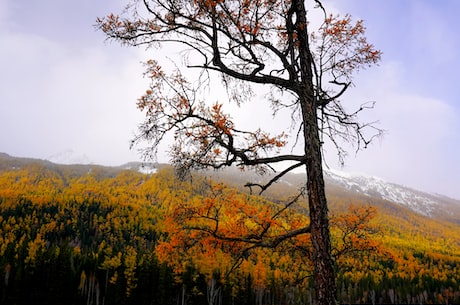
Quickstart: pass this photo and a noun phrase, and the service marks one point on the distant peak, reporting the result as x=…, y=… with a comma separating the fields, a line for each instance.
x=143, y=168
x=69, y=156
x=376, y=187
x=349, y=175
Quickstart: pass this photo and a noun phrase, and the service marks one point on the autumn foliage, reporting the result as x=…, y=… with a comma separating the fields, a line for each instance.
x=82, y=235
x=302, y=66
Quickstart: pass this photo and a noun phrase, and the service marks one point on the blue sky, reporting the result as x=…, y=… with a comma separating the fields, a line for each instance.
x=64, y=87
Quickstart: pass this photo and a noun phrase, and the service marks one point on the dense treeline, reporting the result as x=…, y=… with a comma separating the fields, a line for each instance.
x=130, y=238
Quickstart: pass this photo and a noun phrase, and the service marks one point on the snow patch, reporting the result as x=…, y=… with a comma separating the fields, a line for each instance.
x=376, y=187
x=147, y=169
x=143, y=168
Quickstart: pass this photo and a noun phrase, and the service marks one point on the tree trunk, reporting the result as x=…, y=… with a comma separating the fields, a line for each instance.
x=323, y=270
x=324, y=276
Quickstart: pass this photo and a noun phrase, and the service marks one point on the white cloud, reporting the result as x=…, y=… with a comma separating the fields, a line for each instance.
x=55, y=98
x=64, y=89
x=419, y=129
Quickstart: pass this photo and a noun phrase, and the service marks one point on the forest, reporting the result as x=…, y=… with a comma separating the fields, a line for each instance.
x=96, y=235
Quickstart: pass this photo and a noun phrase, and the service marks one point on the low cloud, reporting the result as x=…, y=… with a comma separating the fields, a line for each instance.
x=55, y=98
x=420, y=145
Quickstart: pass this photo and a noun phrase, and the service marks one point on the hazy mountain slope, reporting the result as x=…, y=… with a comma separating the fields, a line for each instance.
x=370, y=189
x=432, y=205
x=390, y=198
x=8, y=162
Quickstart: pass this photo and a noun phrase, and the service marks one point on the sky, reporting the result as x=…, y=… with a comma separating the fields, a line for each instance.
x=64, y=87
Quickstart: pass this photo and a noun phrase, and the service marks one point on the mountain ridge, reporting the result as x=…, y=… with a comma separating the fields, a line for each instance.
x=371, y=187
x=419, y=201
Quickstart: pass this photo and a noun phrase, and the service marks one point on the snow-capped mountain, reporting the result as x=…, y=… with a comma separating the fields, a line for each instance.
x=143, y=168
x=69, y=157
x=420, y=202
x=376, y=189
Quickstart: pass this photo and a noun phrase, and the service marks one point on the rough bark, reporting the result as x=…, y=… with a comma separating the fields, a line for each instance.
x=324, y=277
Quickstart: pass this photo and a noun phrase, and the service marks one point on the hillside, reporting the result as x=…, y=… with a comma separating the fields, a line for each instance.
x=83, y=234
x=353, y=186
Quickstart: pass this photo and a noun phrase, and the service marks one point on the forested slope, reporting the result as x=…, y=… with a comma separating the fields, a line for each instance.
x=100, y=235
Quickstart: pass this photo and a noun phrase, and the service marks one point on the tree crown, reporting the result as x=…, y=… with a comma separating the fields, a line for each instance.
x=245, y=42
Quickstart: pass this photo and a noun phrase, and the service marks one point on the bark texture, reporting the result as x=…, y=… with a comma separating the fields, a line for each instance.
x=324, y=277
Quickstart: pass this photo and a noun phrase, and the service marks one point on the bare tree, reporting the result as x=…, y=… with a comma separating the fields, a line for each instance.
x=273, y=43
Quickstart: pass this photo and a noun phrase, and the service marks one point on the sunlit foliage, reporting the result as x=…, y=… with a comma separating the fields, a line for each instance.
x=129, y=238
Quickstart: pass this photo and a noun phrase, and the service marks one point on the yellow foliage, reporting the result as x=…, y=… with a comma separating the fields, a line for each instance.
x=211, y=228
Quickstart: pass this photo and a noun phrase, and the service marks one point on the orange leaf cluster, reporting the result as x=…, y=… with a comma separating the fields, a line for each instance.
x=114, y=219
x=343, y=48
